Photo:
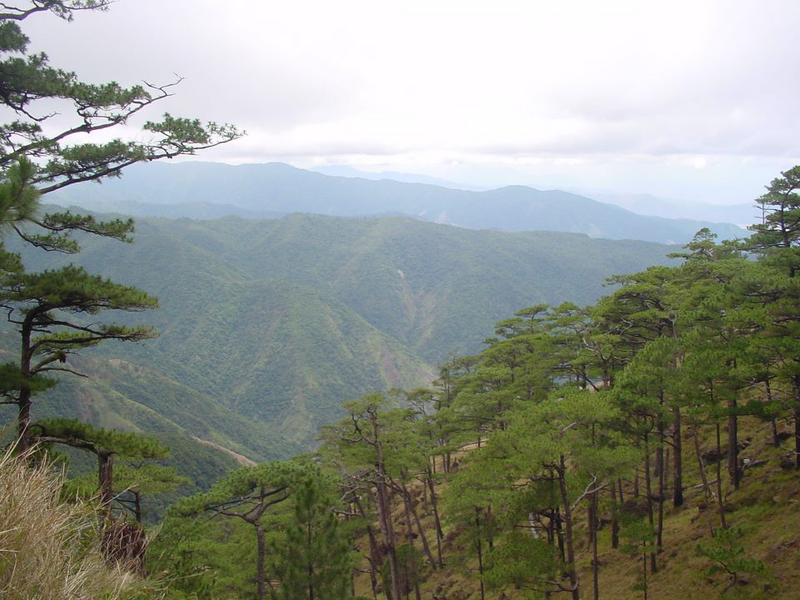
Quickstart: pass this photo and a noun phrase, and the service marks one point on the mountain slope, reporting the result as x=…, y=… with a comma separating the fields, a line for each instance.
x=279, y=321
x=438, y=289
x=265, y=189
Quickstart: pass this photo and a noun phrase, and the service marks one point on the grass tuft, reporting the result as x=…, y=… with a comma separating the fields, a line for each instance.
x=49, y=549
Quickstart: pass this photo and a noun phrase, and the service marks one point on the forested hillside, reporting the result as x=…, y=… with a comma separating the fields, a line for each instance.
x=646, y=446
x=198, y=190
x=288, y=386
x=279, y=320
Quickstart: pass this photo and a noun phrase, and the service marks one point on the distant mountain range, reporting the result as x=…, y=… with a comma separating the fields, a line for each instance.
x=203, y=190
x=646, y=204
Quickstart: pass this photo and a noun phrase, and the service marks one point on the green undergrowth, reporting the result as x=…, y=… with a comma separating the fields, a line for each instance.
x=766, y=508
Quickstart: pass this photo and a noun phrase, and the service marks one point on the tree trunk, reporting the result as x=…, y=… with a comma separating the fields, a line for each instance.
x=439, y=533
x=733, y=443
x=720, y=500
x=595, y=565
x=568, y=538
x=424, y=540
x=661, y=468
x=105, y=471
x=25, y=395
x=137, y=507
x=385, y=516
x=797, y=437
x=387, y=531
x=614, y=521
x=310, y=563
x=375, y=558
x=773, y=421
x=23, y=420
x=649, y=489
x=700, y=464
x=261, y=557
x=560, y=536
x=644, y=573
x=796, y=416
x=410, y=541
x=677, y=461
x=479, y=549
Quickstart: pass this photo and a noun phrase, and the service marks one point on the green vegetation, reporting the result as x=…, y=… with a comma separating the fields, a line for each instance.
x=575, y=454
x=52, y=549
x=298, y=313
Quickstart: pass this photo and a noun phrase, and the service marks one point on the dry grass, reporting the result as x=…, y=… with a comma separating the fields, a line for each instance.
x=50, y=550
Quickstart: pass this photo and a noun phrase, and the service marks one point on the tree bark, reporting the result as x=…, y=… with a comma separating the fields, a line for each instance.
x=720, y=500
x=385, y=511
x=415, y=514
x=261, y=557
x=25, y=395
x=649, y=489
x=560, y=536
x=105, y=472
x=437, y=522
x=733, y=443
x=23, y=420
x=797, y=438
x=595, y=565
x=137, y=507
x=660, y=470
x=387, y=531
x=796, y=416
x=700, y=464
x=773, y=421
x=568, y=538
x=375, y=558
x=410, y=542
x=614, y=521
x=677, y=461
x=479, y=549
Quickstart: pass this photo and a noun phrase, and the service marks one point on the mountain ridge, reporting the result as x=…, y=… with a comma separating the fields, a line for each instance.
x=272, y=189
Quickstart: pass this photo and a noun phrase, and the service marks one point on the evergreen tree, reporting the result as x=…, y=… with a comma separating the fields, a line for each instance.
x=313, y=561
x=103, y=443
x=39, y=155
x=247, y=494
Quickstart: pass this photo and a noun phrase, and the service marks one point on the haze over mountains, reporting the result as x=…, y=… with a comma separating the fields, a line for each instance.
x=742, y=214
x=203, y=190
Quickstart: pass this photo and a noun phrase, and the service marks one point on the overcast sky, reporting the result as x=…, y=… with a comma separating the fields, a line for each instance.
x=683, y=99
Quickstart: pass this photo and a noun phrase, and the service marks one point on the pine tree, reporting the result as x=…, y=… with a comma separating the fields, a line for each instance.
x=47, y=309
x=105, y=444
x=313, y=561
x=39, y=155
x=247, y=494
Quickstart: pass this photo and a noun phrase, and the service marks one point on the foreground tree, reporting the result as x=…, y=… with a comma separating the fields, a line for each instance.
x=313, y=561
x=362, y=441
x=247, y=494
x=47, y=308
x=40, y=154
x=103, y=443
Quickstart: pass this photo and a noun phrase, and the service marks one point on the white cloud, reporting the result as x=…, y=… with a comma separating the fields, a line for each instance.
x=576, y=89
